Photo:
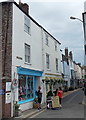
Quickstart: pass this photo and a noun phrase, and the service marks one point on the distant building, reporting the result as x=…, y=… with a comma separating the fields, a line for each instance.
x=66, y=68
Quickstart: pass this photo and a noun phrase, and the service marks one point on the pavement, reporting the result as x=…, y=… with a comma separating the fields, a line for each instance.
x=33, y=111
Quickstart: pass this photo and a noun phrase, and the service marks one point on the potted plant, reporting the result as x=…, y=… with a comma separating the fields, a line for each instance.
x=35, y=103
x=17, y=110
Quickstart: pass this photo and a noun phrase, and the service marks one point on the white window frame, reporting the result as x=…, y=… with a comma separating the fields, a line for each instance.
x=27, y=26
x=47, y=61
x=27, y=53
x=56, y=64
x=55, y=45
x=47, y=40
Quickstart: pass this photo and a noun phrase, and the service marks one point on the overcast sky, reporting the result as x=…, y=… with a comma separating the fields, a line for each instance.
x=54, y=16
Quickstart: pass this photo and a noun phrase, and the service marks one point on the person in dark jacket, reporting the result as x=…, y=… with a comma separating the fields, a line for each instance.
x=39, y=94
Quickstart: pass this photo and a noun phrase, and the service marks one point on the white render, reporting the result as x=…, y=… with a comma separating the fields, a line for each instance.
x=50, y=49
x=36, y=39
x=19, y=38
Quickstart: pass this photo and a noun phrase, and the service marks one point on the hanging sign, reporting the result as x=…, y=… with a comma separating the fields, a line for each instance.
x=15, y=82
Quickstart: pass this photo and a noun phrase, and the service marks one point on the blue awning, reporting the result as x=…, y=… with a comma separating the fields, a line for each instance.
x=25, y=71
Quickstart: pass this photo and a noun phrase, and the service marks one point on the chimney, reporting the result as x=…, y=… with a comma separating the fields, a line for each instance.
x=66, y=52
x=70, y=55
x=24, y=7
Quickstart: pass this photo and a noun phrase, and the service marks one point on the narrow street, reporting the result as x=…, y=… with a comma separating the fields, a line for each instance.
x=71, y=108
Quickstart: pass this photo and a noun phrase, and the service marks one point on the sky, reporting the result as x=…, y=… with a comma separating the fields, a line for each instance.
x=54, y=16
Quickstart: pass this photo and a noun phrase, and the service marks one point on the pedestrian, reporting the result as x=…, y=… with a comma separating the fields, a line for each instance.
x=60, y=94
x=49, y=99
x=56, y=92
x=49, y=94
x=39, y=94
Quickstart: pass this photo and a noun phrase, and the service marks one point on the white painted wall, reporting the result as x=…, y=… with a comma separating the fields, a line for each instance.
x=53, y=55
x=20, y=37
x=38, y=50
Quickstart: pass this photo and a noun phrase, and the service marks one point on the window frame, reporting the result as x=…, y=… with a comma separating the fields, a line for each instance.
x=27, y=24
x=56, y=64
x=55, y=45
x=47, y=61
x=47, y=39
x=27, y=56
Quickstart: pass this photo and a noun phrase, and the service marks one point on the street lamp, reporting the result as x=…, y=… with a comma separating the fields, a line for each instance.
x=84, y=25
x=73, y=18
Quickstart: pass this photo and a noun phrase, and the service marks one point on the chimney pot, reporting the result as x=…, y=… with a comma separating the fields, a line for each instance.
x=24, y=7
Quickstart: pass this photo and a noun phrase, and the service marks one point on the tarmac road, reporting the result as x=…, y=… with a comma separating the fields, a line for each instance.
x=72, y=107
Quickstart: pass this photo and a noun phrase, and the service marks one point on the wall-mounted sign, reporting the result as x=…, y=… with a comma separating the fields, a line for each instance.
x=15, y=82
x=8, y=97
x=8, y=86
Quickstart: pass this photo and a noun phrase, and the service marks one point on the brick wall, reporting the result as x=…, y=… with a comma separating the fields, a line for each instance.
x=6, y=54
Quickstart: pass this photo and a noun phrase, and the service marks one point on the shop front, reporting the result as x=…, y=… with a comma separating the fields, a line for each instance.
x=52, y=81
x=27, y=85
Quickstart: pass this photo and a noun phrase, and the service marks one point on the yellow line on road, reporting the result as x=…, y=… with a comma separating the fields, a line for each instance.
x=37, y=114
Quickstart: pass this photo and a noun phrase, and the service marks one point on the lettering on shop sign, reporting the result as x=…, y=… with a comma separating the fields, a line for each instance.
x=19, y=57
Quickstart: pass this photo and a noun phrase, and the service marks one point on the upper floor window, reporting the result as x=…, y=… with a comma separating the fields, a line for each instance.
x=47, y=40
x=27, y=24
x=56, y=64
x=55, y=45
x=27, y=53
x=47, y=61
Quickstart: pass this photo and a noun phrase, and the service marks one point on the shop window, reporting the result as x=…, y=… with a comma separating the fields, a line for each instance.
x=27, y=53
x=26, y=90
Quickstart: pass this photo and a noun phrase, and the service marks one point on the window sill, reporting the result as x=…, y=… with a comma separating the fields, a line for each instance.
x=48, y=70
x=47, y=45
x=27, y=33
x=27, y=63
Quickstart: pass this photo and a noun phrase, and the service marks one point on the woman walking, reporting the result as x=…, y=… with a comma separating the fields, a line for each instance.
x=60, y=94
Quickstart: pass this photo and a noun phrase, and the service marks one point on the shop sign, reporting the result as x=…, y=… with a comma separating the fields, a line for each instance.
x=8, y=97
x=2, y=91
x=8, y=86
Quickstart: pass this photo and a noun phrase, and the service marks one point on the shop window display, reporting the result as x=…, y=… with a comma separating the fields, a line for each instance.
x=25, y=87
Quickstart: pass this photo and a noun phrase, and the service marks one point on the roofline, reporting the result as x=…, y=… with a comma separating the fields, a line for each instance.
x=32, y=20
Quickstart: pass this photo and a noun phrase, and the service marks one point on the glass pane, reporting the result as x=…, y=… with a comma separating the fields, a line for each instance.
x=22, y=87
x=30, y=87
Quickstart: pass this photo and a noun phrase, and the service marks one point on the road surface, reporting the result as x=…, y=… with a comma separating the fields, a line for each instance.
x=72, y=107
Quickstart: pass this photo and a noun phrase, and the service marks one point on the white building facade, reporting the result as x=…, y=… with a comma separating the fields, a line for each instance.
x=36, y=59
